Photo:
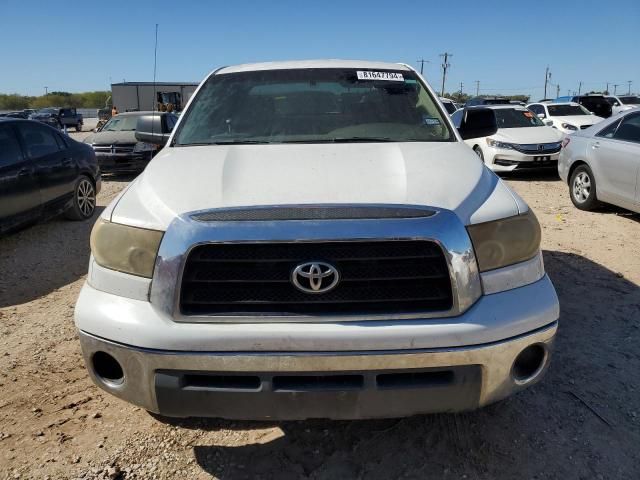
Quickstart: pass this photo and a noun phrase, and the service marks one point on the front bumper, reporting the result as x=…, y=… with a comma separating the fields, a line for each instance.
x=502, y=160
x=123, y=162
x=299, y=385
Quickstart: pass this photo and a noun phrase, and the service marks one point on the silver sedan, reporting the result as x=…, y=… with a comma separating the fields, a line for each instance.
x=602, y=163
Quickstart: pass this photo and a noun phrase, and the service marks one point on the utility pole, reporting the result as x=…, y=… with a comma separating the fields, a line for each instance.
x=547, y=77
x=607, y=89
x=580, y=87
x=477, y=87
x=460, y=88
x=557, y=91
x=445, y=66
x=629, y=91
x=422, y=61
x=615, y=88
x=46, y=91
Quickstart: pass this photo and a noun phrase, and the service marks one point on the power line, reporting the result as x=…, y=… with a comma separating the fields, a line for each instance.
x=445, y=66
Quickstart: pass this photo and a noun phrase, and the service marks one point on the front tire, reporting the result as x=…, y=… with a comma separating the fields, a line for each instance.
x=582, y=188
x=84, y=200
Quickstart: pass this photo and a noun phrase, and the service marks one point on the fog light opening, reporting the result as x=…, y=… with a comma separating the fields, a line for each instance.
x=107, y=368
x=529, y=363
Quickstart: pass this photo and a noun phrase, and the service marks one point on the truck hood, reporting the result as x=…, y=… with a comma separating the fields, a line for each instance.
x=442, y=175
x=111, y=138
x=528, y=135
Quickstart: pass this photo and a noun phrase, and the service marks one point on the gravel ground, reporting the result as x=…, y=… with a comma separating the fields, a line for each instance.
x=581, y=422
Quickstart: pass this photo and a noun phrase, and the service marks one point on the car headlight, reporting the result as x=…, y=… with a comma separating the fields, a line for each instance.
x=506, y=241
x=568, y=126
x=125, y=249
x=496, y=144
x=144, y=147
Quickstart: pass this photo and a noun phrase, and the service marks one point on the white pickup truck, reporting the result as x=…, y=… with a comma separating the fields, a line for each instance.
x=316, y=240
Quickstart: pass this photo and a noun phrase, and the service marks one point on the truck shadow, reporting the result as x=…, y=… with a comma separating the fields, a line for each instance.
x=577, y=423
x=43, y=257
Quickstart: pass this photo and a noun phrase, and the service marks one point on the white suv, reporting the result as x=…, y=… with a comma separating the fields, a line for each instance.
x=315, y=240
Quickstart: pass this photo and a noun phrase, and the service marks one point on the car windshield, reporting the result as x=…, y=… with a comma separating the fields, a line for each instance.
x=121, y=124
x=313, y=106
x=567, y=110
x=516, y=118
x=630, y=100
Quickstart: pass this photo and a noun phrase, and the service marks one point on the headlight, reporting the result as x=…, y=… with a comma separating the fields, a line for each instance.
x=568, y=126
x=126, y=249
x=506, y=241
x=144, y=147
x=494, y=143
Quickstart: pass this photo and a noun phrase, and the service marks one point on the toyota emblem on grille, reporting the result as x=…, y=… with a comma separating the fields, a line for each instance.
x=315, y=277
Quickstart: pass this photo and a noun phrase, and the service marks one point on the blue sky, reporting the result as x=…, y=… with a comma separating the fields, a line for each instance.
x=80, y=46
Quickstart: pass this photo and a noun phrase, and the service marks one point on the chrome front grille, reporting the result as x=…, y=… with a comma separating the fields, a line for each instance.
x=117, y=148
x=538, y=148
x=375, y=277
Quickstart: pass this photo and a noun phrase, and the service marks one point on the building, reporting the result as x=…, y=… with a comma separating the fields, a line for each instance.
x=138, y=96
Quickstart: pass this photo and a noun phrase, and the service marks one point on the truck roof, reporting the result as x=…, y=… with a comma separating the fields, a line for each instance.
x=289, y=65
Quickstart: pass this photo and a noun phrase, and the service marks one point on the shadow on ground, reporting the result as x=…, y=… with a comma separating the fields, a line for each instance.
x=42, y=258
x=582, y=421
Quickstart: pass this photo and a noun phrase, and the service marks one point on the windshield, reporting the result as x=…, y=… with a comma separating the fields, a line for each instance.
x=121, y=124
x=630, y=100
x=516, y=118
x=313, y=106
x=449, y=107
x=567, y=110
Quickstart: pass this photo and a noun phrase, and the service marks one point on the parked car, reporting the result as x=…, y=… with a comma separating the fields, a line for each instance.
x=59, y=117
x=566, y=117
x=449, y=105
x=596, y=104
x=602, y=163
x=522, y=140
x=487, y=100
x=116, y=147
x=315, y=240
x=44, y=173
x=622, y=103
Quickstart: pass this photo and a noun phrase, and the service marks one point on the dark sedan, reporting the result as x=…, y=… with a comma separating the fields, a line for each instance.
x=44, y=173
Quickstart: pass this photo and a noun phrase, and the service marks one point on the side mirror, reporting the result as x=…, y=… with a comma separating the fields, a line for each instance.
x=542, y=115
x=477, y=122
x=152, y=128
x=549, y=123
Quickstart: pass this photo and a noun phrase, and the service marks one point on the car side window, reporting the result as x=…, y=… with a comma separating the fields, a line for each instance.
x=629, y=129
x=608, y=131
x=62, y=144
x=456, y=118
x=10, y=151
x=39, y=141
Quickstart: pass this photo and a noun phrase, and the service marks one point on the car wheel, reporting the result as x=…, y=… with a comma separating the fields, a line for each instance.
x=478, y=151
x=582, y=188
x=79, y=127
x=84, y=200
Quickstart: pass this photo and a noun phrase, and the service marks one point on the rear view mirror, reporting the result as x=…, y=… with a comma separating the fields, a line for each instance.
x=477, y=122
x=153, y=128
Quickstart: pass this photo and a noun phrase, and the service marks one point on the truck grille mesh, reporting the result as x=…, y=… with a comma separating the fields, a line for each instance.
x=377, y=277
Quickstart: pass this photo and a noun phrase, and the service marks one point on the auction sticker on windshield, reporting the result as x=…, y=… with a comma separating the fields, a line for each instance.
x=394, y=76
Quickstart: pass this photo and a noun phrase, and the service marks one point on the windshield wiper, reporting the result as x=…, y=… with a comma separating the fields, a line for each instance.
x=233, y=142
x=344, y=140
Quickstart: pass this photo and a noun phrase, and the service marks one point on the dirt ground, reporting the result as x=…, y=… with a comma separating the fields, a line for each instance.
x=581, y=422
